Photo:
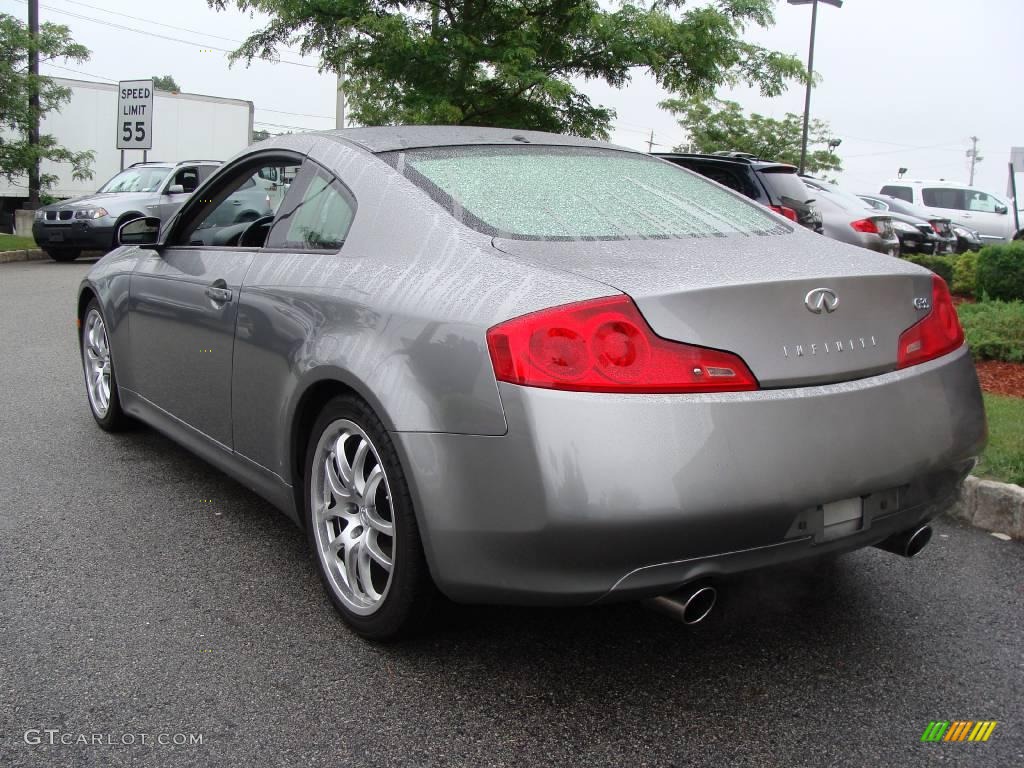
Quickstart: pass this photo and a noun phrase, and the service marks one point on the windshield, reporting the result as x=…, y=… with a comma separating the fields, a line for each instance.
x=577, y=193
x=843, y=199
x=136, y=180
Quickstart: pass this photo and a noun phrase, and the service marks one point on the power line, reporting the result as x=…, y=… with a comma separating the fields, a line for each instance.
x=895, y=151
x=112, y=25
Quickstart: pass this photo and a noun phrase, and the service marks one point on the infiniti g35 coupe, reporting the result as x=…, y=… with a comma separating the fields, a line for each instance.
x=514, y=367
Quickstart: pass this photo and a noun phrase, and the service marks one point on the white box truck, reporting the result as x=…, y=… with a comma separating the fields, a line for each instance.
x=186, y=126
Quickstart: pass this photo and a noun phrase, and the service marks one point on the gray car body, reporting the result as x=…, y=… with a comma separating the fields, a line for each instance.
x=99, y=234
x=838, y=212
x=536, y=496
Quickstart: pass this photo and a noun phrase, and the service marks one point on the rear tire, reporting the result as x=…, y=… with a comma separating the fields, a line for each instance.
x=361, y=524
x=63, y=255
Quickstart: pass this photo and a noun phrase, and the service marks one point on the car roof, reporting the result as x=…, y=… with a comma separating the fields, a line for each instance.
x=755, y=162
x=390, y=138
x=931, y=183
x=165, y=164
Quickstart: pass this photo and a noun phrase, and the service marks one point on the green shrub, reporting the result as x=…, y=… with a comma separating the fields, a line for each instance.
x=940, y=265
x=994, y=329
x=1001, y=272
x=965, y=271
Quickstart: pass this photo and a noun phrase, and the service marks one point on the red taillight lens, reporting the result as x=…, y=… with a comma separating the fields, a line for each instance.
x=865, y=225
x=936, y=228
x=605, y=345
x=782, y=210
x=939, y=333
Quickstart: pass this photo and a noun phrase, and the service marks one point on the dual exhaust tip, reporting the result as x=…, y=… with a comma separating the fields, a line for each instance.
x=694, y=602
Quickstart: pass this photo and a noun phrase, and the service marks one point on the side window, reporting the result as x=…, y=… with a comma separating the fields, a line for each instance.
x=900, y=193
x=944, y=197
x=320, y=220
x=205, y=171
x=979, y=201
x=233, y=206
x=188, y=178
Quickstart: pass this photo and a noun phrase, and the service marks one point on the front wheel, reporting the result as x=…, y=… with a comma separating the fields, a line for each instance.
x=361, y=524
x=100, y=381
x=63, y=255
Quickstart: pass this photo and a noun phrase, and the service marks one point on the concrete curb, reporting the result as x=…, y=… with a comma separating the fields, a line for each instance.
x=997, y=507
x=34, y=254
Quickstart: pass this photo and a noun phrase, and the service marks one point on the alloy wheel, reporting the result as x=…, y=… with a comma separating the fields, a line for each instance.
x=353, y=517
x=96, y=356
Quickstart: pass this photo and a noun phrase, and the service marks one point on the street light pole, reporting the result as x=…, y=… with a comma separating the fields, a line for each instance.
x=33, y=101
x=810, y=84
x=810, y=71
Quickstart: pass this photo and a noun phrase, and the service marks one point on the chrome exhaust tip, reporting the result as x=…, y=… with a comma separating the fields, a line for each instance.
x=908, y=543
x=688, y=605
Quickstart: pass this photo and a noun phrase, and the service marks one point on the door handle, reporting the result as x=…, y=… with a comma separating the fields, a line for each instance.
x=236, y=202
x=219, y=292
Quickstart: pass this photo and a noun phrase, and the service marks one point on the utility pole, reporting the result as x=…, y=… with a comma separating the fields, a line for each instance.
x=975, y=158
x=33, y=100
x=650, y=143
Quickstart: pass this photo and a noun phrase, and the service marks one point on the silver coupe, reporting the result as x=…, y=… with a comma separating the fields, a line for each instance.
x=513, y=367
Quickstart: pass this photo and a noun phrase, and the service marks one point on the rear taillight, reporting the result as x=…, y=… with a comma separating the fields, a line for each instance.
x=782, y=210
x=605, y=345
x=865, y=225
x=936, y=228
x=937, y=334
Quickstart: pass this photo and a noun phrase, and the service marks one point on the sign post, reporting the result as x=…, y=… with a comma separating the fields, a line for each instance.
x=1016, y=165
x=135, y=115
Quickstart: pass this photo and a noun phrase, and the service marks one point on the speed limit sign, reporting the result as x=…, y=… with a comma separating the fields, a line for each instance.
x=135, y=114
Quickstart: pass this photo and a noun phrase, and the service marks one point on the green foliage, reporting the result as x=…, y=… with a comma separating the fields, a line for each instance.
x=17, y=156
x=14, y=243
x=722, y=126
x=165, y=83
x=512, y=63
x=1003, y=459
x=940, y=265
x=965, y=271
x=994, y=329
x=1001, y=271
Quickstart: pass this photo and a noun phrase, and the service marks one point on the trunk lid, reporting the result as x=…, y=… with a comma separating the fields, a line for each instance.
x=799, y=309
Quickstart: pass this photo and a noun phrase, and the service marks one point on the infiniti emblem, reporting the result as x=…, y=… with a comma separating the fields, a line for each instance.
x=821, y=300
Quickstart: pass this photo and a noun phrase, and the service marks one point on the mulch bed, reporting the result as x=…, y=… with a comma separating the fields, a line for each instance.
x=1001, y=378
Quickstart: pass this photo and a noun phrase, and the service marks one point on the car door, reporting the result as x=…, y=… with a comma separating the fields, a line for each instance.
x=184, y=305
x=988, y=215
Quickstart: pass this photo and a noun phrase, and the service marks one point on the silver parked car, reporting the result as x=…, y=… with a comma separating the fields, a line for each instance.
x=516, y=367
x=849, y=219
x=90, y=223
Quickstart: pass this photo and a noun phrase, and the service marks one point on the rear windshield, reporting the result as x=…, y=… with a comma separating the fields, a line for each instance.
x=577, y=193
x=784, y=184
x=901, y=193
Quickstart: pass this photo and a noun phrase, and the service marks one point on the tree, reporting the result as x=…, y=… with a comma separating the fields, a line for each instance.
x=165, y=83
x=510, y=62
x=17, y=155
x=714, y=126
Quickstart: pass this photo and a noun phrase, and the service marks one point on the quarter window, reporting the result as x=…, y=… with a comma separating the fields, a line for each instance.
x=320, y=220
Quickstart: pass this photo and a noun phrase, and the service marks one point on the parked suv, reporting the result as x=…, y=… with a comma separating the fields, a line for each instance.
x=90, y=223
x=967, y=206
x=775, y=185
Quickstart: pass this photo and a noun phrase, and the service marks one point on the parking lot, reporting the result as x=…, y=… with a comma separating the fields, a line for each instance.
x=142, y=592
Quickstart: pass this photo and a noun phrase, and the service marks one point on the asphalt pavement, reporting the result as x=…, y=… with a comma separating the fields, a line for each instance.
x=147, y=598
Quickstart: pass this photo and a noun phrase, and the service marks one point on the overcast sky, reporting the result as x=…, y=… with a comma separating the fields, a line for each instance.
x=904, y=82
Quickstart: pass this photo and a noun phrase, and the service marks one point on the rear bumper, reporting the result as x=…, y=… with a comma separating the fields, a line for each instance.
x=598, y=497
x=74, y=234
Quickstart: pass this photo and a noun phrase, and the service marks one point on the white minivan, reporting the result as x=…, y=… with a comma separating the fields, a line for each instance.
x=967, y=206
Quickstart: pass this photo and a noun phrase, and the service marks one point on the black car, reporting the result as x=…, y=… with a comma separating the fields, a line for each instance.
x=941, y=239
x=775, y=185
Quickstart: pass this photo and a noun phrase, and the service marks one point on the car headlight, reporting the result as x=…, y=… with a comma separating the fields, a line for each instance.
x=967, y=234
x=91, y=213
x=907, y=229
x=39, y=214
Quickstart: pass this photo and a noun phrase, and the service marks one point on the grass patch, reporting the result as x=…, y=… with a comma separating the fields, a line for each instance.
x=12, y=243
x=994, y=329
x=1003, y=459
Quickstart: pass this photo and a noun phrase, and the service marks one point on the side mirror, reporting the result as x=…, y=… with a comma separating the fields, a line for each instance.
x=142, y=232
x=175, y=189
x=1001, y=209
